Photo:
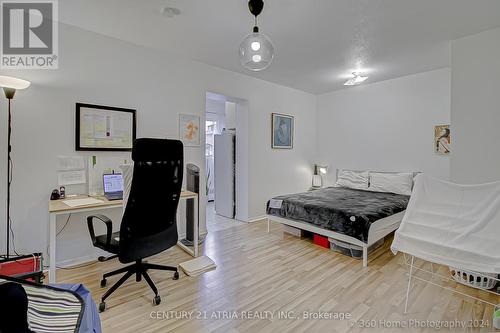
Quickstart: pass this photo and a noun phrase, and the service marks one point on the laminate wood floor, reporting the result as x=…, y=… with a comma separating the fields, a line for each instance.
x=280, y=283
x=217, y=222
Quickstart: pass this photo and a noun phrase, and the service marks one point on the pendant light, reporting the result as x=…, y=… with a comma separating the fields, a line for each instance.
x=256, y=49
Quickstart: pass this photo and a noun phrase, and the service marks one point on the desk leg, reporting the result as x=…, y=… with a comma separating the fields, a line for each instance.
x=196, y=231
x=52, y=248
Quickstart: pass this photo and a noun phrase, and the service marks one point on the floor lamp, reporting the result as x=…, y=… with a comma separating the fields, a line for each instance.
x=10, y=85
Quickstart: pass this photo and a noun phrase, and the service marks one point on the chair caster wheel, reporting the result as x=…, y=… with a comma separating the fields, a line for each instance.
x=176, y=276
x=157, y=300
x=103, y=283
x=102, y=307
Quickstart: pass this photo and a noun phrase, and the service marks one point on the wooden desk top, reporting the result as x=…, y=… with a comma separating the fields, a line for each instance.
x=58, y=206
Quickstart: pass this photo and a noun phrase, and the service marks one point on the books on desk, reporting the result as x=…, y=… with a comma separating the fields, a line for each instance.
x=198, y=266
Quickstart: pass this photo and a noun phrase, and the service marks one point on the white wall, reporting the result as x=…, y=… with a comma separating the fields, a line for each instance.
x=242, y=162
x=215, y=106
x=386, y=126
x=230, y=112
x=216, y=111
x=102, y=70
x=475, y=103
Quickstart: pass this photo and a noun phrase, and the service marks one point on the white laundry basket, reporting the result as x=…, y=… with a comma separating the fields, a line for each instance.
x=474, y=279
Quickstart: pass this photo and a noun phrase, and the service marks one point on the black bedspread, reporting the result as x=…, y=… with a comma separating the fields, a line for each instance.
x=343, y=210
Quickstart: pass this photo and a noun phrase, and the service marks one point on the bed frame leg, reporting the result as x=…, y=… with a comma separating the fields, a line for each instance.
x=268, y=225
x=409, y=283
x=365, y=256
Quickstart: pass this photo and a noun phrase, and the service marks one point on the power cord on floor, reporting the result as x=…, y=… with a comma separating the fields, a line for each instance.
x=67, y=268
x=9, y=180
x=57, y=234
x=64, y=226
x=73, y=267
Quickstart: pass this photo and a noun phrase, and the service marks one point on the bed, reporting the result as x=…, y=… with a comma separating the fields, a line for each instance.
x=354, y=216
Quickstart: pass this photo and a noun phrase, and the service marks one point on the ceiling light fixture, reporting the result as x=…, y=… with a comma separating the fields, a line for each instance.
x=256, y=50
x=170, y=11
x=356, y=79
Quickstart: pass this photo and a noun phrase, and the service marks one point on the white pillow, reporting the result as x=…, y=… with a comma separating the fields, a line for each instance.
x=352, y=179
x=399, y=183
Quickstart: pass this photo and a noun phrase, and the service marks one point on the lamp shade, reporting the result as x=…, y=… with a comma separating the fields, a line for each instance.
x=317, y=181
x=320, y=169
x=256, y=52
x=13, y=83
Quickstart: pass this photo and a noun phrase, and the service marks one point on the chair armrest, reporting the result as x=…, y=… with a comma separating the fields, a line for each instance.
x=109, y=227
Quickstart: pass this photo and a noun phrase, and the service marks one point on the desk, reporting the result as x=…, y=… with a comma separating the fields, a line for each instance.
x=58, y=207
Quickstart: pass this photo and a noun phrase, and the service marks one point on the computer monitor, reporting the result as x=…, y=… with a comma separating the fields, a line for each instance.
x=112, y=183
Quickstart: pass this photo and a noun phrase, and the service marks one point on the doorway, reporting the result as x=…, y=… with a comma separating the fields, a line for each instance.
x=226, y=148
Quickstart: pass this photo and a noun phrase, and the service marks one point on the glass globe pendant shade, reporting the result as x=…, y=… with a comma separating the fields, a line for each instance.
x=256, y=52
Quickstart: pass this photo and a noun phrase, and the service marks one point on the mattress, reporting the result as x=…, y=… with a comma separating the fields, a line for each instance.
x=347, y=211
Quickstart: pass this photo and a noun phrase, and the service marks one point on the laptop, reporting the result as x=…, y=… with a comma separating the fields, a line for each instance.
x=113, y=186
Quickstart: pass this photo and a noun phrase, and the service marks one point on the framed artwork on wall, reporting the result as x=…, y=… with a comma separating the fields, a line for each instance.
x=189, y=130
x=282, y=128
x=442, y=139
x=106, y=128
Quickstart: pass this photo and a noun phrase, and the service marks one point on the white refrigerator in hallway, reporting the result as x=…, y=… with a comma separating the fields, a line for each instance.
x=224, y=180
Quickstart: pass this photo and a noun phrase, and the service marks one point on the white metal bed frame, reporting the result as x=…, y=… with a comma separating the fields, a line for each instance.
x=332, y=234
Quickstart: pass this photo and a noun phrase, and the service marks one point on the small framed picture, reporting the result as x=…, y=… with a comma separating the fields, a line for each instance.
x=442, y=139
x=282, y=126
x=189, y=130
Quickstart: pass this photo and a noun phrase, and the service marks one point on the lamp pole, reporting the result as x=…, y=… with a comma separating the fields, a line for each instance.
x=10, y=85
x=9, y=93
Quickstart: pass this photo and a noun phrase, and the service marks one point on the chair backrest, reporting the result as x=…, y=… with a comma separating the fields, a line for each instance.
x=149, y=223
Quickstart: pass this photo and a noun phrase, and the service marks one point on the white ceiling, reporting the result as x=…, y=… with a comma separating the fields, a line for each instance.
x=318, y=42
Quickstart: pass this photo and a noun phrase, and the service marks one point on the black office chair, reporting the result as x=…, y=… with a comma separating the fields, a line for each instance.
x=149, y=223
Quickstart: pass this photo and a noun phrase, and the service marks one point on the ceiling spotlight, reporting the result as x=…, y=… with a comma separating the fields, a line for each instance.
x=170, y=11
x=356, y=79
x=256, y=49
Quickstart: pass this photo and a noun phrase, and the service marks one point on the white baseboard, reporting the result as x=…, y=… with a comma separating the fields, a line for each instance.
x=77, y=261
x=89, y=258
x=257, y=219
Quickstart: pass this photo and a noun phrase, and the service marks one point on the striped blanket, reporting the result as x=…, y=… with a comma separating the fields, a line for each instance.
x=50, y=309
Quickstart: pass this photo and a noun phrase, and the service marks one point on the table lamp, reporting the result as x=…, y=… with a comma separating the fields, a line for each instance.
x=317, y=180
x=10, y=85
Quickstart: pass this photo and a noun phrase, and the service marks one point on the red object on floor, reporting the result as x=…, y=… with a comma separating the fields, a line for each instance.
x=321, y=241
x=20, y=265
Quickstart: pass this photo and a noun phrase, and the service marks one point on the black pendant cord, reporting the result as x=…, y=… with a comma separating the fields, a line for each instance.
x=255, y=7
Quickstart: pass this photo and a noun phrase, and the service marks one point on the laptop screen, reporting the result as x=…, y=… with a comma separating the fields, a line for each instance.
x=113, y=183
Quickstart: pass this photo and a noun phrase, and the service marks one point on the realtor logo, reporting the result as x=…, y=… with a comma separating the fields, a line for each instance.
x=29, y=34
